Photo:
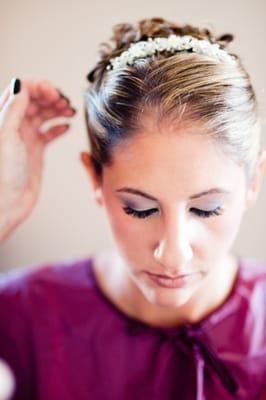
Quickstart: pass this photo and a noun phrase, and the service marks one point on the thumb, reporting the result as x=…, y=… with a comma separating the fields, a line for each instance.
x=14, y=108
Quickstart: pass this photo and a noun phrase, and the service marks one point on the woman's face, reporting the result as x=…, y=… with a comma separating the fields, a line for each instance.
x=175, y=204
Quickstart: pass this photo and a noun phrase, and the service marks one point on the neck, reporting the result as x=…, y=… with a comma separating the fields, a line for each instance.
x=118, y=286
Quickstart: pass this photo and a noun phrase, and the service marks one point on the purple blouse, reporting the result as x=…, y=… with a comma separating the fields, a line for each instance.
x=65, y=340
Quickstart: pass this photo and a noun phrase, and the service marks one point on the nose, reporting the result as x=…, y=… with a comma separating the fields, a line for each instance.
x=174, y=250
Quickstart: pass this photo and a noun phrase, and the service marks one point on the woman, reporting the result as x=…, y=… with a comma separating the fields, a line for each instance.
x=175, y=161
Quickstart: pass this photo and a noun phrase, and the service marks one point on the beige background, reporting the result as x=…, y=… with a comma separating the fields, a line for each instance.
x=57, y=41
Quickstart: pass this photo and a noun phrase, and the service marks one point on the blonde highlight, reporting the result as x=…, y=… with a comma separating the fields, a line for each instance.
x=183, y=86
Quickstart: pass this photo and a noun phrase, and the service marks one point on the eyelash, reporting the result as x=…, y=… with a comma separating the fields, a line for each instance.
x=146, y=213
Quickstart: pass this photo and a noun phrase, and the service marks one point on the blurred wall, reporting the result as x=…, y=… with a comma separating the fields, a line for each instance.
x=57, y=41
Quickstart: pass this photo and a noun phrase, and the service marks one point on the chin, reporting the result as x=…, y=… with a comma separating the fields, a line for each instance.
x=169, y=298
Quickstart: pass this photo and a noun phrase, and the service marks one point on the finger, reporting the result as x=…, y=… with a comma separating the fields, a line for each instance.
x=9, y=91
x=31, y=85
x=50, y=113
x=61, y=103
x=40, y=106
x=44, y=104
x=41, y=90
x=48, y=95
x=14, y=109
x=58, y=99
x=63, y=96
x=54, y=132
x=4, y=96
x=46, y=114
x=47, y=92
x=33, y=109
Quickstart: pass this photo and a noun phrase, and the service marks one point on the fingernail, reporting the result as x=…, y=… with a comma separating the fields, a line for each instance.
x=73, y=110
x=63, y=96
x=15, y=85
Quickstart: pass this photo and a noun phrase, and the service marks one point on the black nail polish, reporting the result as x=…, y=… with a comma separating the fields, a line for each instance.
x=63, y=96
x=16, y=86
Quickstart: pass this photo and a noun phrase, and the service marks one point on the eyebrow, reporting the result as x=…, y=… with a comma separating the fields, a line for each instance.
x=194, y=196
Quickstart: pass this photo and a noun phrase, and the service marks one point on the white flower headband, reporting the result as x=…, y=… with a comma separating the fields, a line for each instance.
x=172, y=44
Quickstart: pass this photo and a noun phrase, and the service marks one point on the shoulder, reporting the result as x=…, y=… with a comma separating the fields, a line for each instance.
x=252, y=279
x=57, y=272
x=251, y=293
x=38, y=303
x=20, y=285
x=248, y=325
x=244, y=310
x=244, y=314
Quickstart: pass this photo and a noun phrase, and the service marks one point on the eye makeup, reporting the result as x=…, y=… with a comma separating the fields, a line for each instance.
x=146, y=213
x=203, y=210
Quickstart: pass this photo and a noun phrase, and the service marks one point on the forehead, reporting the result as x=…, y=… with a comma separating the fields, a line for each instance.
x=168, y=159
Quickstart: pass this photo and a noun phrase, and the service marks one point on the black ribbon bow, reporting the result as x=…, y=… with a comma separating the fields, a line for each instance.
x=191, y=337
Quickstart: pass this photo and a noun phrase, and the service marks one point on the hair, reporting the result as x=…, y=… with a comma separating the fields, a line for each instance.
x=180, y=87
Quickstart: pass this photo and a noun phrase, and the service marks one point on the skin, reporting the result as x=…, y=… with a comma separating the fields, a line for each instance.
x=171, y=163
x=24, y=137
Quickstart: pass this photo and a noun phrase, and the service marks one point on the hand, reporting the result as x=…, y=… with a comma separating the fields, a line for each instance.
x=22, y=146
x=7, y=381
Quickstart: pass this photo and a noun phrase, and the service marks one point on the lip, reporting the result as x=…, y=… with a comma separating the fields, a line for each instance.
x=176, y=282
x=170, y=277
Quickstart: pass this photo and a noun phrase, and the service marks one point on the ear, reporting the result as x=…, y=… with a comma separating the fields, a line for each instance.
x=95, y=181
x=255, y=183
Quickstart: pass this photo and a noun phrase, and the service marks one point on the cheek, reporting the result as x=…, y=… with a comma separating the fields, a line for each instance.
x=127, y=231
x=226, y=227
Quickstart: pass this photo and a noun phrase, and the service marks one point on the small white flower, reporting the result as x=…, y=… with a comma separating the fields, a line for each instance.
x=171, y=44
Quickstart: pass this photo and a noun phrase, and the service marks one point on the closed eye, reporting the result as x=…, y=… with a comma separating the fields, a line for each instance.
x=146, y=213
